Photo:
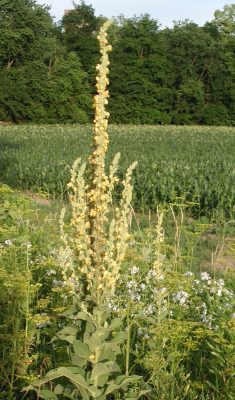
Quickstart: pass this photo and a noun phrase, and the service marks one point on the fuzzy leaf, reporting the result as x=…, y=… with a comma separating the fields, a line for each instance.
x=109, y=352
x=69, y=312
x=120, y=337
x=137, y=395
x=116, y=323
x=78, y=361
x=100, y=373
x=76, y=379
x=100, y=335
x=82, y=315
x=99, y=379
x=124, y=380
x=112, y=387
x=81, y=349
x=68, y=334
x=59, y=389
x=47, y=395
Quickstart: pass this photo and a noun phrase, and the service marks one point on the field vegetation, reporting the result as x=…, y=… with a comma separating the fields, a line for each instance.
x=194, y=163
x=104, y=300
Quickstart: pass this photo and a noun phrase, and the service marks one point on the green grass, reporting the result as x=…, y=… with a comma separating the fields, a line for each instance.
x=194, y=163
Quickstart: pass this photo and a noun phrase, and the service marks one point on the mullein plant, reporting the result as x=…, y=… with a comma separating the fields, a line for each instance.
x=94, y=244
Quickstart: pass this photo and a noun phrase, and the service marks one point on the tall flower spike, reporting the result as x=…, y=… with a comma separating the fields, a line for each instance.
x=95, y=245
x=99, y=196
x=159, y=246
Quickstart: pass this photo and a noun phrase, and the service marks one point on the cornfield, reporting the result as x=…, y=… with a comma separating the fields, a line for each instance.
x=195, y=164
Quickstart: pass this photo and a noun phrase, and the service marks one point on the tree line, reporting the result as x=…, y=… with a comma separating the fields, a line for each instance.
x=179, y=75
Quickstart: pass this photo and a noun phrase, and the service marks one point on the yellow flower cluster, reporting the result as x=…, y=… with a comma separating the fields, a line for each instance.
x=97, y=239
x=159, y=246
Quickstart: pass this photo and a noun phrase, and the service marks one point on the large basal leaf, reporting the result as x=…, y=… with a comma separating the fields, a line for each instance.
x=136, y=395
x=68, y=334
x=81, y=349
x=112, y=387
x=59, y=389
x=123, y=381
x=76, y=379
x=78, y=361
x=100, y=373
x=47, y=395
x=120, y=337
x=100, y=335
x=116, y=323
x=109, y=352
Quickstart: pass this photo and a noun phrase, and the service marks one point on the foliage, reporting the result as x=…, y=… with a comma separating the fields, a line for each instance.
x=180, y=325
x=40, y=80
x=24, y=25
x=183, y=75
x=90, y=262
x=93, y=371
x=148, y=330
x=80, y=27
x=17, y=290
x=195, y=164
x=139, y=56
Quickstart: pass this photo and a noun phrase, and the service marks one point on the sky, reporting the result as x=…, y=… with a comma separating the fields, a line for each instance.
x=165, y=11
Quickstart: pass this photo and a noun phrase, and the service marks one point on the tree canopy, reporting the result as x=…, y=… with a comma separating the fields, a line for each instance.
x=179, y=75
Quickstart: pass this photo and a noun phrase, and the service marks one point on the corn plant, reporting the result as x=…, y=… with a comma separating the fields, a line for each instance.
x=194, y=162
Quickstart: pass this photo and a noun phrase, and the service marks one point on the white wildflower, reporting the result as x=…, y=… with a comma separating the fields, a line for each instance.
x=8, y=242
x=26, y=244
x=142, y=286
x=150, y=310
x=134, y=270
x=151, y=273
x=135, y=297
x=51, y=272
x=205, y=276
x=188, y=273
x=180, y=297
x=146, y=336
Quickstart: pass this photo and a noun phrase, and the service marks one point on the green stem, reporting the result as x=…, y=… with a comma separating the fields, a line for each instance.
x=128, y=343
x=14, y=351
x=27, y=313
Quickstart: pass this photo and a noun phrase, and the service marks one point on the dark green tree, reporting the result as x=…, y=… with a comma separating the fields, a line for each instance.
x=67, y=94
x=225, y=22
x=80, y=27
x=23, y=26
x=201, y=75
x=40, y=80
x=140, y=78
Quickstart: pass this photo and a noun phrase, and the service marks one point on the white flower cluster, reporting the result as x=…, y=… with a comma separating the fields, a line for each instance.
x=8, y=242
x=56, y=283
x=26, y=244
x=216, y=287
x=50, y=272
x=180, y=297
x=148, y=295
